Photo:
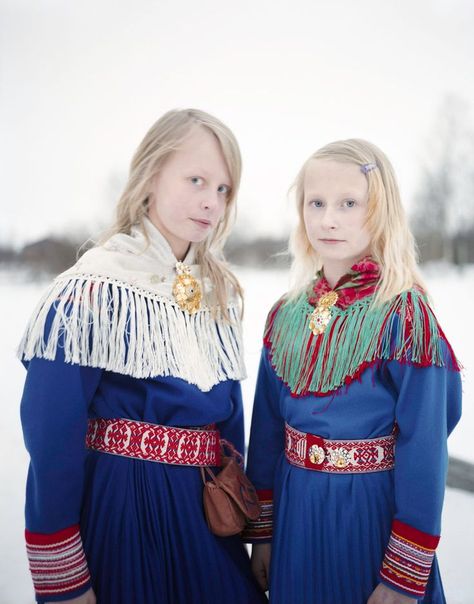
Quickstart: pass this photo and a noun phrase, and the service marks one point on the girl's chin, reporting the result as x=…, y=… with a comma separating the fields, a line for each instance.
x=331, y=253
x=201, y=235
x=199, y=238
x=337, y=260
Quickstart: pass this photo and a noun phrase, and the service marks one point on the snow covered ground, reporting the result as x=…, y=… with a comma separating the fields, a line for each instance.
x=452, y=292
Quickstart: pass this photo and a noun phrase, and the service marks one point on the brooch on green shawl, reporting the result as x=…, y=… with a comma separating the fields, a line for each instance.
x=322, y=314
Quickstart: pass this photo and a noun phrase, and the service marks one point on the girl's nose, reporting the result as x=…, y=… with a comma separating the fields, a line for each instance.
x=329, y=220
x=210, y=200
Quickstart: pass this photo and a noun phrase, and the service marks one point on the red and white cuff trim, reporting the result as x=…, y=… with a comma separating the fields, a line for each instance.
x=408, y=558
x=57, y=561
x=261, y=529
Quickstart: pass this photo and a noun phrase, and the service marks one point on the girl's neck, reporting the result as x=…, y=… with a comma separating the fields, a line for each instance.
x=333, y=271
x=180, y=251
x=179, y=247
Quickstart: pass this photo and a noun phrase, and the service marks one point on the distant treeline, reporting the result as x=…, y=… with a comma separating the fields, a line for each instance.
x=442, y=213
x=52, y=255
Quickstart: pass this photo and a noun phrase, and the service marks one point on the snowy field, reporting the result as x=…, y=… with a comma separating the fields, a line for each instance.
x=452, y=291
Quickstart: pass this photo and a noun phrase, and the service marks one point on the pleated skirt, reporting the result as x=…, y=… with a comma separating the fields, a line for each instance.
x=330, y=535
x=147, y=541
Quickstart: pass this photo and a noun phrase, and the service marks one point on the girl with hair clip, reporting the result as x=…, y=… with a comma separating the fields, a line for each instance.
x=358, y=390
x=134, y=357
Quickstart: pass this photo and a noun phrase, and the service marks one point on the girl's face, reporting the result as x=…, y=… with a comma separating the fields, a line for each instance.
x=335, y=212
x=189, y=195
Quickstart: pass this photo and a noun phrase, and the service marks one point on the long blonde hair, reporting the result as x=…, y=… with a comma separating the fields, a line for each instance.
x=163, y=138
x=392, y=243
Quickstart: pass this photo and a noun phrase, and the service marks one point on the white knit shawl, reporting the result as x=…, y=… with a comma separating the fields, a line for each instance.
x=114, y=310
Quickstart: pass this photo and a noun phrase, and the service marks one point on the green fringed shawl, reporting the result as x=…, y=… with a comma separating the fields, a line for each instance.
x=357, y=337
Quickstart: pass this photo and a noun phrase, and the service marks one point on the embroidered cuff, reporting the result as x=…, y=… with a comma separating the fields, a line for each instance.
x=261, y=529
x=57, y=562
x=408, y=559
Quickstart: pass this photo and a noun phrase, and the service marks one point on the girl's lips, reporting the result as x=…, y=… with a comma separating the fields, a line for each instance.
x=332, y=241
x=203, y=223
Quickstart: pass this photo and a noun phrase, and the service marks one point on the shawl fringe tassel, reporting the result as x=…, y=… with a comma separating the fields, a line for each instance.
x=360, y=336
x=119, y=327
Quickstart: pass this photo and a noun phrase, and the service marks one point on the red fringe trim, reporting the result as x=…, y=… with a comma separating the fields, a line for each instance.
x=356, y=376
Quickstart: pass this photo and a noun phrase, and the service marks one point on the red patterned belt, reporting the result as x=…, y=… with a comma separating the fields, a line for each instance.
x=340, y=456
x=153, y=442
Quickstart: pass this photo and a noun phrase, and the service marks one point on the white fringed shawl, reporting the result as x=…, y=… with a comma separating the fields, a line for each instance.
x=114, y=310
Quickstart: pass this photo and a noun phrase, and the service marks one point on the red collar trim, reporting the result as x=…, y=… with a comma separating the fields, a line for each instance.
x=361, y=281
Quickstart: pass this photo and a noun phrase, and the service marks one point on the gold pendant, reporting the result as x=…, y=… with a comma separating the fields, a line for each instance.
x=186, y=289
x=322, y=314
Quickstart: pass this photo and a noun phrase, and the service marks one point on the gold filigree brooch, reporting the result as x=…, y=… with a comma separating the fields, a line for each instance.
x=322, y=314
x=186, y=289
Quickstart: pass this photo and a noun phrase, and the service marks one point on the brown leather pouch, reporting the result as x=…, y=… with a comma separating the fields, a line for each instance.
x=229, y=498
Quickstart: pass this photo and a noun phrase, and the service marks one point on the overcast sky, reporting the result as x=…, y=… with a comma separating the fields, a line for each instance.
x=81, y=82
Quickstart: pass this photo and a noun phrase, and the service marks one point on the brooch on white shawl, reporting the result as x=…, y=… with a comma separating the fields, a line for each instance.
x=130, y=308
x=186, y=289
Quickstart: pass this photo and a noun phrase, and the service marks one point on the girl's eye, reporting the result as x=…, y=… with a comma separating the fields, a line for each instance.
x=225, y=189
x=197, y=180
x=317, y=203
x=350, y=203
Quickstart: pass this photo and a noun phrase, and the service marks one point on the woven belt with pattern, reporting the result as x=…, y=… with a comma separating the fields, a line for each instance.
x=340, y=456
x=154, y=442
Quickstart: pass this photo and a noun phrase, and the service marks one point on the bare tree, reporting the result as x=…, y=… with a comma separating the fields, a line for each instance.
x=444, y=207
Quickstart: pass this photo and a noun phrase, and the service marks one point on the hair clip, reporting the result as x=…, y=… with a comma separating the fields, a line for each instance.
x=365, y=168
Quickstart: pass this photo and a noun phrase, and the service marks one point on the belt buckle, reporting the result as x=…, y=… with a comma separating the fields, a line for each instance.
x=315, y=453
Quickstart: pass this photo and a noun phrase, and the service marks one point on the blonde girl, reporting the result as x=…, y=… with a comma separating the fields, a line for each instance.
x=134, y=358
x=358, y=390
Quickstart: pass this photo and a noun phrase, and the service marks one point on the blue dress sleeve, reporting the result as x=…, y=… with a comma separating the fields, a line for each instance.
x=54, y=419
x=427, y=409
x=267, y=439
x=54, y=413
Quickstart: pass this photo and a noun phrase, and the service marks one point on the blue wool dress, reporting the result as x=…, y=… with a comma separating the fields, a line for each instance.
x=331, y=531
x=142, y=523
